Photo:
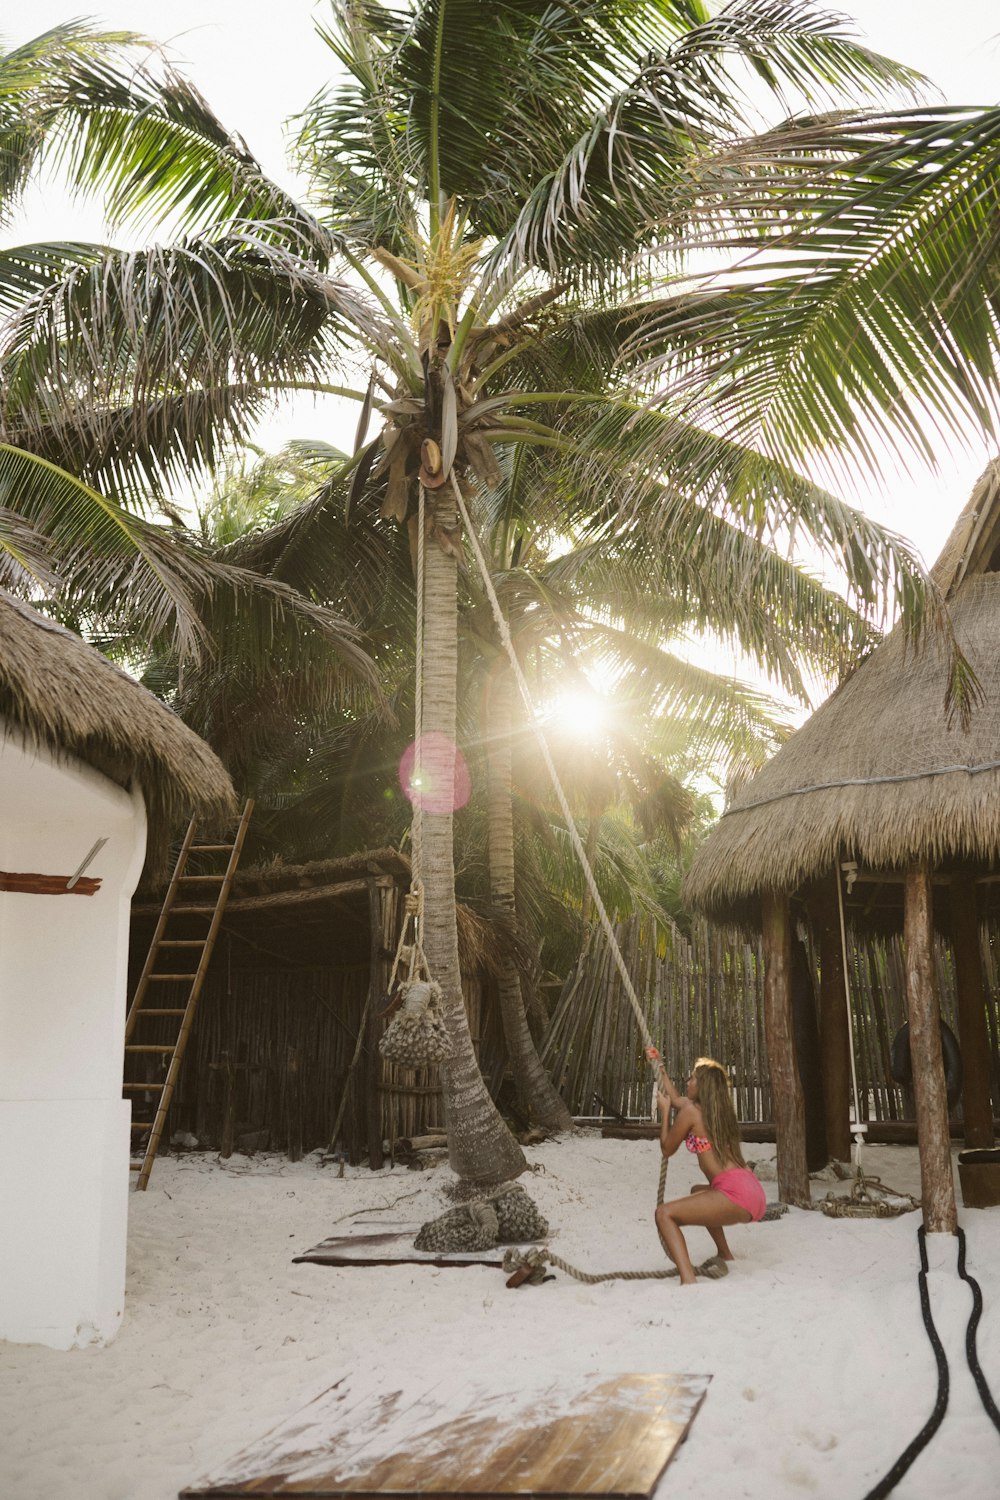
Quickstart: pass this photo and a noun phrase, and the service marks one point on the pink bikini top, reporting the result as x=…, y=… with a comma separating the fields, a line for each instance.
x=697, y=1143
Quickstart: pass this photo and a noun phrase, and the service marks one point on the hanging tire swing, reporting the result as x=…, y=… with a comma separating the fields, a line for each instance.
x=901, y=1063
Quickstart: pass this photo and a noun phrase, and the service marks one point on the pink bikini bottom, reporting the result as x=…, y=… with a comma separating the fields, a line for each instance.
x=741, y=1187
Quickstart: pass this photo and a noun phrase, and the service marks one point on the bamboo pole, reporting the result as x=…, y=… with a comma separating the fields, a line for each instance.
x=789, y=1109
x=937, y=1187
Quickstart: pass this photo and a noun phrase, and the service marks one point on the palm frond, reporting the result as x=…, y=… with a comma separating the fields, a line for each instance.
x=150, y=144
x=612, y=191
x=34, y=78
x=97, y=553
x=151, y=359
x=871, y=315
x=625, y=449
x=718, y=580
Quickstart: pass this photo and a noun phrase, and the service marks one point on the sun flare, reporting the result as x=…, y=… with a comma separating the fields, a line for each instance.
x=580, y=713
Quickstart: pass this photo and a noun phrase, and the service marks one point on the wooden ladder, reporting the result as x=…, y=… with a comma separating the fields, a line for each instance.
x=199, y=951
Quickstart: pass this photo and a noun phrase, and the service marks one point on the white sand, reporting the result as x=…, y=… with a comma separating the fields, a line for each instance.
x=822, y=1372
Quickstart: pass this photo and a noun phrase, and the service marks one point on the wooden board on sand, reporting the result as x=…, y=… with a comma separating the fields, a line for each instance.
x=393, y=1248
x=575, y=1436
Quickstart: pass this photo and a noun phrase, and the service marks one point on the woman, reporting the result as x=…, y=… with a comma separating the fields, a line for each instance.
x=706, y=1123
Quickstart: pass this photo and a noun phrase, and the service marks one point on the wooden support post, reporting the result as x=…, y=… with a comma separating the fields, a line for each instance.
x=786, y=1088
x=370, y=1056
x=834, y=1033
x=293, y=1096
x=228, y=1107
x=973, y=1034
x=937, y=1187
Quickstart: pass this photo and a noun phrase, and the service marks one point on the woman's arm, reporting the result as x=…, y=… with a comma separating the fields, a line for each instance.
x=676, y=1099
x=672, y=1135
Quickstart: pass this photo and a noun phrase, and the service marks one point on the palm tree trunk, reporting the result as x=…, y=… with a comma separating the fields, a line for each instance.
x=536, y=1093
x=480, y=1147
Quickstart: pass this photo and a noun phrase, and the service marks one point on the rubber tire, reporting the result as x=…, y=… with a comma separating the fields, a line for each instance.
x=901, y=1063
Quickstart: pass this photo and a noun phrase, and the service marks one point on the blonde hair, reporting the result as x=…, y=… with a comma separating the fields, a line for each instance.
x=715, y=1100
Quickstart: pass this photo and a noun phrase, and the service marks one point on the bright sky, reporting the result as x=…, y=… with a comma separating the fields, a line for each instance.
x=258, y=62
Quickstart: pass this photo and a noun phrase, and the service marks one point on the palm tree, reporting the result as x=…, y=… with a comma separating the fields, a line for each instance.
x=76, y=530
x=859, y=309
x=478, y=219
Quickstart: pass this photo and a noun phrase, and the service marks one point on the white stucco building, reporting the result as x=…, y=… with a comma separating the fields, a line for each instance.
x=86, y=755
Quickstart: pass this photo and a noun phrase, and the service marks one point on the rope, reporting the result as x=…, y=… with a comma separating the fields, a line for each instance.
x=930, y=1427
x=970, y=1336
x=413, y=909
x=836, y=786
x=651, y=1052
x=868, y=1199
x=417, y=824
x=859, y=1128
x=530, y=1266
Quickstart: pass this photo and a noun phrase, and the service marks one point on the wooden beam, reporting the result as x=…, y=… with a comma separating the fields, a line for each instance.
x=937, y=1187
x=786, y=1087
x=298, y=896
x=48, y=885
x=834, y=1032
x=973, y=1033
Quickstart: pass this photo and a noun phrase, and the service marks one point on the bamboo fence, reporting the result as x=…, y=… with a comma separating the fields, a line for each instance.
x=704, y=997
x=270, y=1057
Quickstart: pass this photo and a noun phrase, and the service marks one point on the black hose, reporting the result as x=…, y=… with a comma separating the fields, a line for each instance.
x=970, y=1336
x=930, y=1427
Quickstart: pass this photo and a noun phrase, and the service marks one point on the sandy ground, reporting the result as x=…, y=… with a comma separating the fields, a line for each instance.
x=822, y=1372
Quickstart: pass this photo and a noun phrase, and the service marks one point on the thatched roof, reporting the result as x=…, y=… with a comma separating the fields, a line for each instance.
x=60, y=693
x=878, y=773
x=268, y=879
x=302, y=909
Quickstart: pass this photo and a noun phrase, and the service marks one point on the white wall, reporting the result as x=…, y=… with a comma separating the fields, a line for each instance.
x=64, y=1127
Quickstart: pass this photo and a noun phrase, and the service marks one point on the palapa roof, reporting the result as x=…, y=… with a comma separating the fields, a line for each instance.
x=62, y=694
x=266, y=880
x=880, y=773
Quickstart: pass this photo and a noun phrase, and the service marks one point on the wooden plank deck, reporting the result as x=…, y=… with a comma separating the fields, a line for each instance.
x=587, y=1436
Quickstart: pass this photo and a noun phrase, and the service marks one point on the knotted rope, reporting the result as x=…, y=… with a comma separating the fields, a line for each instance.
x=417, y=1035
x=529, y=1266
x=506, y=1216
x=869, y=1198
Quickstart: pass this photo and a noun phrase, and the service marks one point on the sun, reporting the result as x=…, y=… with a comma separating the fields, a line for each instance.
x=580, y=713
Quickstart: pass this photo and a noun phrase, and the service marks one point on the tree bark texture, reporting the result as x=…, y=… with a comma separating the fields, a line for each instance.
x=973, y=1033
x=786, y=1087
x=834, y=1033
x=937, y=1187
x=480, y=1147
x=536, y=1094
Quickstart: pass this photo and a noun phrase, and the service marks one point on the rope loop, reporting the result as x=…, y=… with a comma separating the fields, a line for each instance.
x=411, y=953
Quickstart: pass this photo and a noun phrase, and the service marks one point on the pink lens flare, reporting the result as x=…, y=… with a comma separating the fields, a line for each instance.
x=434, y=775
